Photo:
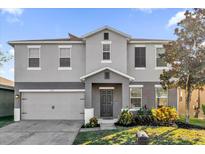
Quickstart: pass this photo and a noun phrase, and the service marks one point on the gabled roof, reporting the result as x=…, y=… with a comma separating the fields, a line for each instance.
x=106, y=28
x=107, y=68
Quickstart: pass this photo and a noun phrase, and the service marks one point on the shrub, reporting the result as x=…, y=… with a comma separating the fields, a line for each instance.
x=93, y=122
x=165, y=115
x=143, y=117
x=203, y=108
x=126, y=118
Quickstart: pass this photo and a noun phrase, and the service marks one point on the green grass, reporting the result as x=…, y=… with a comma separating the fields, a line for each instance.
x=127, y=136
x=6, y=120
x=194, y=121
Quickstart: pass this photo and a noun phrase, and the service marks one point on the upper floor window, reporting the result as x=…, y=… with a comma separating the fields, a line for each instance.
x=136, y=96
x=106, y=47
x=140, y=57
x=65, y=57
x=160, y=63
x=106, y=36
x=161, y=96
x=34, y=57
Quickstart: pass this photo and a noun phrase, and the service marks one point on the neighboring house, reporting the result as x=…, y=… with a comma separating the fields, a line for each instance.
x=97, y=74
x=6, y=97
x=196, y=95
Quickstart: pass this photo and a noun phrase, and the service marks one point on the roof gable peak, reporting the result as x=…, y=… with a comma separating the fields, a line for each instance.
x=106, y=27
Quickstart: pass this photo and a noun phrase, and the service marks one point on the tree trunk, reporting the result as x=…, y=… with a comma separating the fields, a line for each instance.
x=188, y=98
x=197, y=108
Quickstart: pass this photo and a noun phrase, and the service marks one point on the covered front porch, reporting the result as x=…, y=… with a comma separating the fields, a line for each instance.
x=105, y=95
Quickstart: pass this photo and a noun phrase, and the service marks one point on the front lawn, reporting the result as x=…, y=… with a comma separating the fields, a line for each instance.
x=158, y=135
x=6, y=120
x=194, y=121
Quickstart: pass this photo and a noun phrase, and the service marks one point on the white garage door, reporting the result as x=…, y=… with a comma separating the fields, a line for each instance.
x=52, y=105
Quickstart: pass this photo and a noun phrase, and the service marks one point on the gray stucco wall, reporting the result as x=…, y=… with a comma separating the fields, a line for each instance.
x=117, y=98
x=149, y=74
x=6, y=102
x=94, y=53
x=148, y=94
x=49, y=63
x=99, y=78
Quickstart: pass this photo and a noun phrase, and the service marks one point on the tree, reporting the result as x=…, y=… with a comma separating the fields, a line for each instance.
x=4, y=57
x=186, y=56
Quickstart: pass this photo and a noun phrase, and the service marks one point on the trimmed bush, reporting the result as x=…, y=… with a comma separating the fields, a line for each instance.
x=126, y=118
x=165, y=115
x=93, y=122
x=144, y=117
x=203, y=108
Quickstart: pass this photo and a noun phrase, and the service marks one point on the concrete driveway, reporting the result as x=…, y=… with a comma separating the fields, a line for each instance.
x=53, y=132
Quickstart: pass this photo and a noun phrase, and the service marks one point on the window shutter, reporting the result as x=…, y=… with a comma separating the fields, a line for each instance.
x=140, y=57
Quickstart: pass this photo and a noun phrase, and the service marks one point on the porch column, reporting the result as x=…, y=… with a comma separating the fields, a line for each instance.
x=88, y=95
x=89, y=110
x=125, y=94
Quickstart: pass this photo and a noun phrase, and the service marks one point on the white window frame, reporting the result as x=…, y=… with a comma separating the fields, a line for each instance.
x=34, y=47
x=135, y=86
x=159, y=86
x=65, y=47
x=156, y=67
x=141, y=45
x=106, y=61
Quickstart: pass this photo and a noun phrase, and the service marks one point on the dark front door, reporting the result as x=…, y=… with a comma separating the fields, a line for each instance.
x=106, y=103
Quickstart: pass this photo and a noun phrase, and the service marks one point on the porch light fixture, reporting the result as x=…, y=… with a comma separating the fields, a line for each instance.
x=17, y=96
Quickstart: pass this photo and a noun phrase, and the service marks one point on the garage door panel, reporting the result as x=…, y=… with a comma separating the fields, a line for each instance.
x=45, y=106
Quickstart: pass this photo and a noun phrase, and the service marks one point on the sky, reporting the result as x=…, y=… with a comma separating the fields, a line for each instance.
x=19, y=24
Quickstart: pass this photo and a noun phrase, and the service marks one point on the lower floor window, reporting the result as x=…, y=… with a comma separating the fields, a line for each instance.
x=161, y=97
x=136, y=97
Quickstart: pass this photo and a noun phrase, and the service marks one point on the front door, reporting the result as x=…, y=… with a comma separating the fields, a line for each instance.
x=106, y=103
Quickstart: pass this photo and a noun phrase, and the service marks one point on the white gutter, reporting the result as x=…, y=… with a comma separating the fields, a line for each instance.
x=51, y=90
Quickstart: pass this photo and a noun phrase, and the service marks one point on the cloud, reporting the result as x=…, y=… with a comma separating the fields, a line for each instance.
x=12, y=11
x=12, y=14
x=12, y=69
x=145, y=10
x=176, y=18
x=11, y=51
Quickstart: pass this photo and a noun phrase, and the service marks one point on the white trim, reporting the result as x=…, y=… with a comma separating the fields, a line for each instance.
x=64, y=68
x=149, y=41
x=106, y=87
x=34, y=68
x=161, y=68
x=102, y=69
x=104, y=28
x=158, y=46
x=136, y=86
x=35, y=47
x=167, y=97
x=106, y=61
x=65, y=46
x=43, y=42
x=140, y=68
x=140, y=86
x=158, y=86
x=106, y=42
x=156, y=67
x=140, y=45
x=51, y=90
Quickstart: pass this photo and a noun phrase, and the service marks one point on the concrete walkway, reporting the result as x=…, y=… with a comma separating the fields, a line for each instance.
x=53, y=132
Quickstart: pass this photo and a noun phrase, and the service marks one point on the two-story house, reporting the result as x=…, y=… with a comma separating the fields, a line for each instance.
x=97, y=74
